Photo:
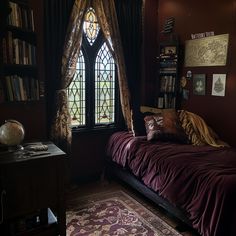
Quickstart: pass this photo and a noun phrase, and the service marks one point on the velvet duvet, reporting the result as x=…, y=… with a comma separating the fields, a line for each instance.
x=201, y=180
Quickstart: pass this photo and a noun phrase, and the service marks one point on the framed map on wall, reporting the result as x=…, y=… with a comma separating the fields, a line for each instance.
x=208, y=51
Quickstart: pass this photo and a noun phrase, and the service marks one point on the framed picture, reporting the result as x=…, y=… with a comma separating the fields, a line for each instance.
x=199, y=84
x=170, y=50
x=208, y=51
x=218, y=84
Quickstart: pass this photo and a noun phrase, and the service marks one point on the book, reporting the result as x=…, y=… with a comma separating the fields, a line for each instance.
x=2, y=94
x=9, y=89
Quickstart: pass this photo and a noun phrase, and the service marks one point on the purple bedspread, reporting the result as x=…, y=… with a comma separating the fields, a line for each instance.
x=199, y=179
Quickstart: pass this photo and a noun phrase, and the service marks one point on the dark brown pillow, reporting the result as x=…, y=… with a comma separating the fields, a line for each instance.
x=165, y=126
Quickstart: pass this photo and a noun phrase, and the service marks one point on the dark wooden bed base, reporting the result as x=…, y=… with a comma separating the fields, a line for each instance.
x=114, y=170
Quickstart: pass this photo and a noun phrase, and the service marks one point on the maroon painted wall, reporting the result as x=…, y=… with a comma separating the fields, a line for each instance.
x=193, y=16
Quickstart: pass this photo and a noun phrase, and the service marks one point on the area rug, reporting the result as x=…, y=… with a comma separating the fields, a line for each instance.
x=114, y=214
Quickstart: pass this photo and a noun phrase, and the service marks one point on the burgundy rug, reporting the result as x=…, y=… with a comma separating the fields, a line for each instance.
x=114, y=214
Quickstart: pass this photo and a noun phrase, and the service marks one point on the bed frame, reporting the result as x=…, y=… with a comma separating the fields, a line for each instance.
x=113, y=170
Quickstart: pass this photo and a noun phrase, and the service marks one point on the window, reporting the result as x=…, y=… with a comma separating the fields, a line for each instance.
x=93, y=93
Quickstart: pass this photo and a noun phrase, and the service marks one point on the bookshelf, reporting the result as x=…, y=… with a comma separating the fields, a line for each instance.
x=168, y=75
x=22, y=95
x=19, y=80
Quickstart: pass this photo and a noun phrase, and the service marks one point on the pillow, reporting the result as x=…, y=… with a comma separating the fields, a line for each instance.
x=165, y=126
x=198, y=132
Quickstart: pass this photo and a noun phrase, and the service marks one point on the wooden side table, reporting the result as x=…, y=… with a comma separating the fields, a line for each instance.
x=32, y=192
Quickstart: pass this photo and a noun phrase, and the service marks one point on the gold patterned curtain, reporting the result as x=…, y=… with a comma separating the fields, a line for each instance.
x=106, y=14
x=61, y=131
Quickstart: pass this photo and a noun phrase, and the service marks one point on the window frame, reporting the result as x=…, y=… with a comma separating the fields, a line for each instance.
x=90, y=53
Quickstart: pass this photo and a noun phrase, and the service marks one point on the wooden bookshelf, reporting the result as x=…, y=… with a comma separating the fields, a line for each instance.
x=21, y=87
x=19, y=80
x=168, y=79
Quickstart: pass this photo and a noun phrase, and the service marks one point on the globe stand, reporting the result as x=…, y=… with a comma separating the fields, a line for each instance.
x=15, y=148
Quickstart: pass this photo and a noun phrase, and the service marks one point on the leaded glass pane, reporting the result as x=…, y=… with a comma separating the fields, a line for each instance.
x=104, y=87
x=76, y=94
x=91, y=26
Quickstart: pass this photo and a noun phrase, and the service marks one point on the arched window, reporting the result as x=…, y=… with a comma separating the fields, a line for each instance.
x=92, y=93
x=76, y=94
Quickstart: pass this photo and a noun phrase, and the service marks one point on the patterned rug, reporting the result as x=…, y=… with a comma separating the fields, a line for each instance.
x=114, y=214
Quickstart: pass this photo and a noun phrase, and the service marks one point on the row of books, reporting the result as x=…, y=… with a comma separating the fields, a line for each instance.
x=21, y=16
x=167, y=83
x=168, y=63
x=21, y=88
x=166, y=101
x=168, y=70
x=16, y=51
x=168, y=56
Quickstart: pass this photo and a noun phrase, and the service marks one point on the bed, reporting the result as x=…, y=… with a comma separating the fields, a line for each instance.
x=196, y=183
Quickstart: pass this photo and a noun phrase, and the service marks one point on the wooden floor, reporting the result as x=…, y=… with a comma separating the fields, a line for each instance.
x=98, y=186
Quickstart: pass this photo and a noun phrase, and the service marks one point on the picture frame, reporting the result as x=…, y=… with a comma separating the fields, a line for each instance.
x=218, y=85
x=207, y=51
x=199, y=84
x=169, y=50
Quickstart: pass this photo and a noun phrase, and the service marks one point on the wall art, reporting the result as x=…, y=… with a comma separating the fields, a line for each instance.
x=208, y=51
x=199, y=84
x=218, y=84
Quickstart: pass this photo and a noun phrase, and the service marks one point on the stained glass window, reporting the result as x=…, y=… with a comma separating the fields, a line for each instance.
x=104, y=86
x=76, y=94
x=91, y=26
x=92, y=94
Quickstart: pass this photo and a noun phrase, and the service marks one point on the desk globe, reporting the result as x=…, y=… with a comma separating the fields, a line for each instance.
x=12, y=134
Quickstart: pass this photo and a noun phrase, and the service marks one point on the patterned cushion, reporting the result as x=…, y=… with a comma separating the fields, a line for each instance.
x=165, y=126
x=198, y=132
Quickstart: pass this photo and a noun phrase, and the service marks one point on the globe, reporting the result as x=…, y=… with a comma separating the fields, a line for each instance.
x=11, y=133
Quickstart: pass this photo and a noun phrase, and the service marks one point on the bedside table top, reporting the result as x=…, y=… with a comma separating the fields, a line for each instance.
x=25, y=155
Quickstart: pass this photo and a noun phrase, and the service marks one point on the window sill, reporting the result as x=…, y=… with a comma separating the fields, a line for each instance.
x=102, y=129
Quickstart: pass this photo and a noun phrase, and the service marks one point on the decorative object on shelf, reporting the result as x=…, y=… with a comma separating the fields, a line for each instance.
x=12, y=134
x=199, y=84
x=208, y=51
x=189, y=74
x=218, y=85
x=169, y=25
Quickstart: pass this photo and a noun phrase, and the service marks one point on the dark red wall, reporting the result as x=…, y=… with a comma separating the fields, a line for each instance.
x=193, y=16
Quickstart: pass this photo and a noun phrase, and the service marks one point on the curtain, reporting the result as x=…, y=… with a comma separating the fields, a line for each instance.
x=130, y=19
x=106, y=14
x=61, y=64
x=60, y=123
x=56, y=18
